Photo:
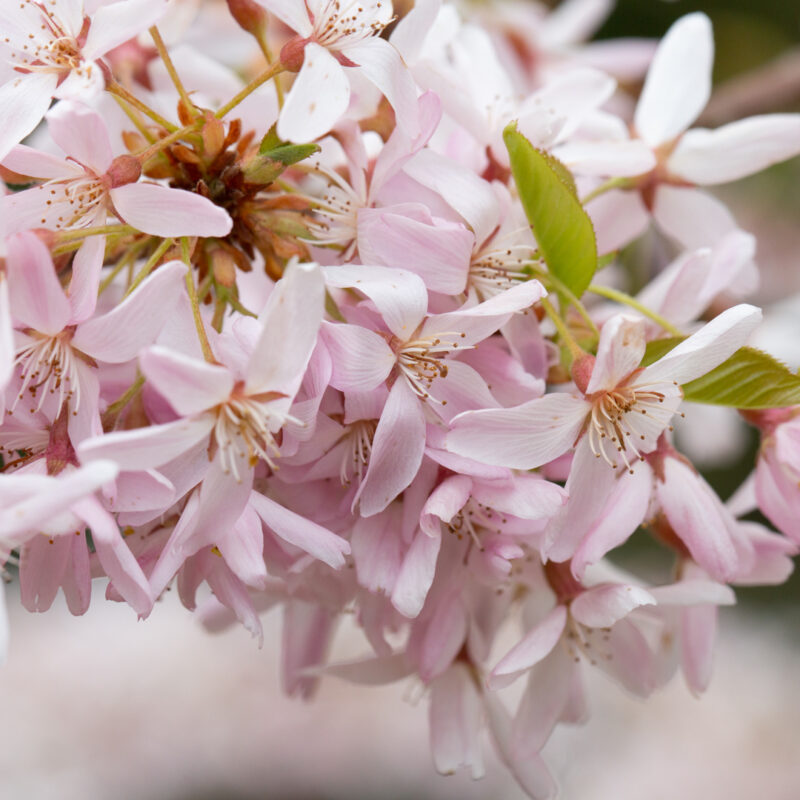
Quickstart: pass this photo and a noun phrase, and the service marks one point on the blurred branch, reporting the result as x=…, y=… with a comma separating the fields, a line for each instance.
x=773, y=87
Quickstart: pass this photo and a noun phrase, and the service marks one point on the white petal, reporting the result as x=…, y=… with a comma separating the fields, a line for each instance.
x=678, y=83
x=161, y=211
x=619, y=352
x=361, y=358
x=116, y=23
x=706, y=349
x=319, y=96
x=24, y=101
x=733, y=151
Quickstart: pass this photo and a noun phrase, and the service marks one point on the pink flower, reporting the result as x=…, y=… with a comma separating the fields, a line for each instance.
x=51, y=49
x=60, y=342
x=82, y=189
x=331, y=38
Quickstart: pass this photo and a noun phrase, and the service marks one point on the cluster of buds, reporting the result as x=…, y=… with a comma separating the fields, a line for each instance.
x=337, y=338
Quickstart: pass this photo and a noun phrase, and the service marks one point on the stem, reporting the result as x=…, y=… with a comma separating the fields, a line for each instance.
x=83, y=233
x=151, y=262
x=128, y=258
x=261, y=38
x=173, y=73
x=270, y=72
x=563, y=289
x=160, y=144
x=120, y=91
x=563, y=331
x=135, y=120
x=126, y=397
x=208, y=354
x=612, y=183
x=626, y=299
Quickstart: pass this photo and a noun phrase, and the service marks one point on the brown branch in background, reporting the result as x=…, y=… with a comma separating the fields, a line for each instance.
x=770, y=88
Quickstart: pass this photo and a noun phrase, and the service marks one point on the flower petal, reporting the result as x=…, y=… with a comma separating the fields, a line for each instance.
x=161, y=211
x=603, y=606
x=361, y=359
x=115, y=23
x=523, y=437
x=678, y=82
x=81, y=133
x=619, y=352
x=24, y=100
x=318, y=98
x=733, y=151
x=534, y=646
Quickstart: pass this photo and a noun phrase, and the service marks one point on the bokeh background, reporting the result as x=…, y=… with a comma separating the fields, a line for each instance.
x=106, y=707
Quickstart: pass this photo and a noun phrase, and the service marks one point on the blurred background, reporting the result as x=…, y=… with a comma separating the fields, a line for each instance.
x=105, y=707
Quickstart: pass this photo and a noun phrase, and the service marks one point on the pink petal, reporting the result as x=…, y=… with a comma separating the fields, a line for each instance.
x=692, y=217
x=318, y=98
x=399, y=295
x=290, y=12
x=291, y=317
x=698, y=634
x=38, y=164
x=678, y=82
x=146, y=448
x=24, y=100
x=437, y=250
x=693, y=592
x=7, y=351
x=114, y=24
x=86, y=268
x=455, y=721
x=526, y=497
x=523, y=437
x=397, y=449
x=81, y=133
x=443, y=638
x=416, y=574
x=603, y=606
x=190, y=386
x=735, y=150
x=625, y=509
x=445, y=502
x=361, y=359
x=706, y=349
x=120, y=334
x=35, y=292
x=161, y=211
x=301, y=532
x=42, y=569
x=534, y=646
x=383, y=66
x=624, y=158
x=115, y=556
x=619, y=352
x=698, y=517
x=479, y=321
x=468, y=195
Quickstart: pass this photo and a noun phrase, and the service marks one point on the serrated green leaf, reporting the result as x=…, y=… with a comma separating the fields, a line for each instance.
x=750, y=378
x=562, y=228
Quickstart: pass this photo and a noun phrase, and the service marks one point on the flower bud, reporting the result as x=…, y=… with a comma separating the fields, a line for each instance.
x=582, y=368
x=123, y=170
x=249, y=15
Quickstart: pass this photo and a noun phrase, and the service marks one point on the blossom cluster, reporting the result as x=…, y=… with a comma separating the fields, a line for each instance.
x=317, y=305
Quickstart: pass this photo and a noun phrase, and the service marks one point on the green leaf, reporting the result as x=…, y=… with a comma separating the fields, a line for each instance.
x=658, y=348
x=562, y=228
x=750, y=378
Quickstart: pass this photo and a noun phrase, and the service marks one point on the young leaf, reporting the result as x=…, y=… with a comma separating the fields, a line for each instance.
x=562, y=228
x=750, y=378
x=658, y=348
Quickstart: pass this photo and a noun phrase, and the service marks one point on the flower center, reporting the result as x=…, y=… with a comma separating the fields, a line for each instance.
x=338, y=24
x=49, y=368
x=78, y=201
x=336, y=222
x=357, y=450
x=623, y=418
x=474, y=519
x=49, y=47
x=242, y=431
x=422, y=360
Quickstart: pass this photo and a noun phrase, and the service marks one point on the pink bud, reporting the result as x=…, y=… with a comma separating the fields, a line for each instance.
x=582, y=368
x=123, y=170
x=250, y=16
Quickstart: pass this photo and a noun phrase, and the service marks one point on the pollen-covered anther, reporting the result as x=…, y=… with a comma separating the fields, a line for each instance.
x=357, y=450
x=422, y=360
x=243, y=432
x=616, y=423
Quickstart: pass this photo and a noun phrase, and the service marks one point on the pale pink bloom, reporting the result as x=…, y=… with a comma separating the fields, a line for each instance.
x=43, y=513
x=331, y=38
x=777, y=477
x=676, y=90
x=623, y=409
x=82, y=189
x=412, y=349
x=52, y=49
x=236, y=412
x=58, y=340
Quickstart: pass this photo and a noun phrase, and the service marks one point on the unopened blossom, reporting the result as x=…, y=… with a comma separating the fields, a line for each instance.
x=52, y=48
x=332, y=37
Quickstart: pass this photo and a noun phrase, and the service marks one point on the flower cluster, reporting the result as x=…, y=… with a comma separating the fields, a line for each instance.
x=348, y=338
